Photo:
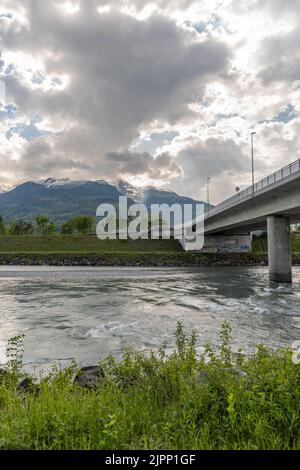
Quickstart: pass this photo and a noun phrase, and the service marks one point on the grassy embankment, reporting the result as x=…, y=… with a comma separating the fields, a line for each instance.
x=260, y=245
x=88, y=250
x=91, y=244
x=181, y=401
x=83, y=244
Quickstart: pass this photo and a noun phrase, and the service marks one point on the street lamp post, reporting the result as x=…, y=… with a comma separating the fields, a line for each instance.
x=208, y=195
x=252, y=158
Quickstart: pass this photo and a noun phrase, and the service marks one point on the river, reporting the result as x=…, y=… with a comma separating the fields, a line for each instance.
x=88, y=313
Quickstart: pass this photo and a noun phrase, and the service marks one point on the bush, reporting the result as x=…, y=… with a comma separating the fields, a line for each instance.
x=45, y=226
x=21, y=227
x=82, y=225
x=2, y=226
x=218, y=400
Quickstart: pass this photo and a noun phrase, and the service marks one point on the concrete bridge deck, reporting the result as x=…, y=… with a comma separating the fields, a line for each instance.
x=272, y=203
x=277, y=194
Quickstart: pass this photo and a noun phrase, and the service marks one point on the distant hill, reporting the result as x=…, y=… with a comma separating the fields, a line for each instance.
x=63, y=199
x=155, y=196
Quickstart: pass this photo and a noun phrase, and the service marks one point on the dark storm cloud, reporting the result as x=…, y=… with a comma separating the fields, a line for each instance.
x=124, y=74
x=280, y=57
x=36, y=161
x=212, y=157
x=223, y=161
x=162, y=166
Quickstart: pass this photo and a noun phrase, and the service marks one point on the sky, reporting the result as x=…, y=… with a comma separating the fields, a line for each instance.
x=163, y=93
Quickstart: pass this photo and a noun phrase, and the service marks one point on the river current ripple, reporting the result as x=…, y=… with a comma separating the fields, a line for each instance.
x=88, y=313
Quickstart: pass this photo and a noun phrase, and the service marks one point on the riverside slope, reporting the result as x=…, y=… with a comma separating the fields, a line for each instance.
x=89, y=251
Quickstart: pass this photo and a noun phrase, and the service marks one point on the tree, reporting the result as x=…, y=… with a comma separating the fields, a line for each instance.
x=83, y=224
x=45, y=226
x=50, y=228
x=21, y=227
x=2, y=226
x=41, y=220
x=12, y=227
x=67, y=228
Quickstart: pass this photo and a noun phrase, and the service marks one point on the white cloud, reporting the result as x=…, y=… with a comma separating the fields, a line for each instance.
x=104, y=75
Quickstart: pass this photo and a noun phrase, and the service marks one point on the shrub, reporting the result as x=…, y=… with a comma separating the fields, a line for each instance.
x=218, y=400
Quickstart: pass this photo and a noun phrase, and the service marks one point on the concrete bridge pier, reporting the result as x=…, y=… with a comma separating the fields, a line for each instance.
x=279, y=248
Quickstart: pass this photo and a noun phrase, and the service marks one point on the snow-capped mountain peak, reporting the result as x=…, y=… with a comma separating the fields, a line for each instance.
x=62, y=199
x=4, y=188
x=60, y=182
x=133, y=192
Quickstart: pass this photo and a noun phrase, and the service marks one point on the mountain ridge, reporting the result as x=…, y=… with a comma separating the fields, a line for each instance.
x=63, y=199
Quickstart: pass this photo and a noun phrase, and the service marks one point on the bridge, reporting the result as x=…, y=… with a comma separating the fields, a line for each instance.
x=272, y=203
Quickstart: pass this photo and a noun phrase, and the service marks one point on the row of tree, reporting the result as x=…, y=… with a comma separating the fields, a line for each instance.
x=42, y=225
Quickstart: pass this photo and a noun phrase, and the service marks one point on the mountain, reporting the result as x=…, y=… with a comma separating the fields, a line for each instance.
x=150, y=195
x=63, y=199
x=134, y=193
x=156, y=196
x=4, y=188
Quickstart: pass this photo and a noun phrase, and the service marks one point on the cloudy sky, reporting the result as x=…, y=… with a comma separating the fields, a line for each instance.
x=162, y=92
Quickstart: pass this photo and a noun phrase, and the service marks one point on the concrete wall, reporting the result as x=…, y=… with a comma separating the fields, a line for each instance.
x=240, y=243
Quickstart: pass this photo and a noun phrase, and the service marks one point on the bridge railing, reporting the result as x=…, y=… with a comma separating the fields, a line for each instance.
x=257, y=187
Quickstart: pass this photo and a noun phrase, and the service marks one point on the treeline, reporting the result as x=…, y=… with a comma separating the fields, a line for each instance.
x=42, y=225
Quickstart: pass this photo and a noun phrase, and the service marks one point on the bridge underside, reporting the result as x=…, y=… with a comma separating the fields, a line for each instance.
x=273, y=208
x=252, y=214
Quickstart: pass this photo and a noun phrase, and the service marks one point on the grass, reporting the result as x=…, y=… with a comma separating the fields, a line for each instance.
x=155, y=401
x=83, y=244
x=89, y=251
x=260, y=245
x=91, y=244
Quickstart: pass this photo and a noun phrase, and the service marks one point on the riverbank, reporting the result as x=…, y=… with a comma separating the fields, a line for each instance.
x=88, y=250
x=138, y=259
x=82, y=244
x=181, y=401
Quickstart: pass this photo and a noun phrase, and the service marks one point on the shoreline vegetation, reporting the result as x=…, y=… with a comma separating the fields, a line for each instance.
x=87, y=250
x=154, y=401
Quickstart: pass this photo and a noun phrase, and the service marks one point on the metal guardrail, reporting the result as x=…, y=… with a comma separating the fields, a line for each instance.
x=257, y=187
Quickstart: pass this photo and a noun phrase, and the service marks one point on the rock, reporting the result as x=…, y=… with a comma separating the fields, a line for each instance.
x=238, y=372
x=28, y=386
x=89, y=377
x=202, y=377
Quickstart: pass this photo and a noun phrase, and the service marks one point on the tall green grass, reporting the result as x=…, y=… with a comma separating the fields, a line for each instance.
x=159, y=401
x=260, y=244
x=83, y=244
